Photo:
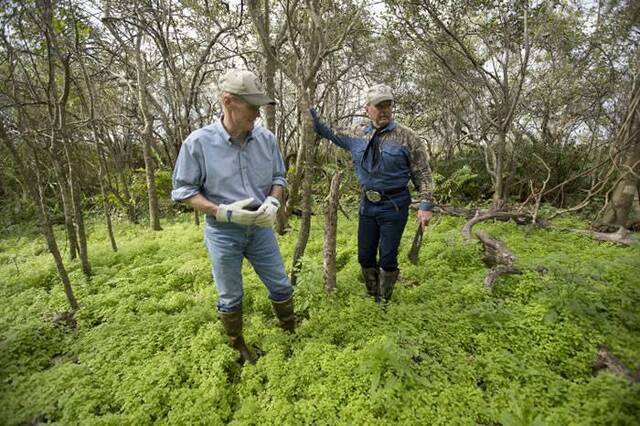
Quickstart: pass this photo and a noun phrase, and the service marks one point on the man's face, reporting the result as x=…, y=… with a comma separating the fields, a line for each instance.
x=242, y=114
x=380, y=114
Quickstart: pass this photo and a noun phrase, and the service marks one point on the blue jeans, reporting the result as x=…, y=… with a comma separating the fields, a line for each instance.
x=380, y=228
x=228, y=244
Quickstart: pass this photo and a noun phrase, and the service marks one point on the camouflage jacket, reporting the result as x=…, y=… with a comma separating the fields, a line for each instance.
x=402, y=154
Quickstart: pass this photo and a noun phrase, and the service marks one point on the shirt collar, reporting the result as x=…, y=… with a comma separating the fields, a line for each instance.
x=226, y=135
x=387, y=128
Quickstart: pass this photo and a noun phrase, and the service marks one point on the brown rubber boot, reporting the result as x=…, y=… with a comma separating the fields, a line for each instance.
x=232, y=323
x=285, y=314
x=371, y=280
x=387, y=282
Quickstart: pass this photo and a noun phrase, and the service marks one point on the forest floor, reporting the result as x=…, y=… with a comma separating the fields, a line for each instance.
x=148, y=347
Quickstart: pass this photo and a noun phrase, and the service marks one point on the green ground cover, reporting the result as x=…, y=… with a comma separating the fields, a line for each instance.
x=148, y=347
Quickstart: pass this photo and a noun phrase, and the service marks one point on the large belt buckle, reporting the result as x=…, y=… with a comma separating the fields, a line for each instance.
x=373, y=196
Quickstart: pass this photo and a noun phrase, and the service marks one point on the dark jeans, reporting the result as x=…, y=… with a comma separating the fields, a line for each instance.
x=380, y=228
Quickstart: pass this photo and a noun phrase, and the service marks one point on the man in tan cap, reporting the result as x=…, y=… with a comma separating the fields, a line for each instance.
x=233, y=172
x=385, y=155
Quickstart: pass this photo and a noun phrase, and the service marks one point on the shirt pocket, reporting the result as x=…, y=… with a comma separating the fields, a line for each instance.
x=394, y=158
x=262, y=172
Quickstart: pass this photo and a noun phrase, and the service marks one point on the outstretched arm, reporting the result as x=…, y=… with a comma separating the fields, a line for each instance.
x=325, y=131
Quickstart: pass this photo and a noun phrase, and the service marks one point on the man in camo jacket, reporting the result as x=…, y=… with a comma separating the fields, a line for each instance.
x=385, y=155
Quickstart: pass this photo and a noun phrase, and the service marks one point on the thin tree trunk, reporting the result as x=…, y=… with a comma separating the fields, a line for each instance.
x=330, y=231
x=127, y=203
x=52, y=245
x=498, y=194
x=37, y=197
x=105, y=201
x=154, y=211
x=307, y=181
x=100, y=156
x=77, y=213
x=72, y=241
x=296, y=179
x=107, y=214
x=269, y=76
x=617, y=212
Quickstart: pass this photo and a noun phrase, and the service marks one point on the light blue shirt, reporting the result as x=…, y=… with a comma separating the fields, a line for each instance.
x=209, y=163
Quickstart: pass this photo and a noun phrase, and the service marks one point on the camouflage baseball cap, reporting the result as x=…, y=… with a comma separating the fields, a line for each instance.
x=245, y=85
x=379, y=93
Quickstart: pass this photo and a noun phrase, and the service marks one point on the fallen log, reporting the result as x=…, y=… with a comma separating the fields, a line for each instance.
x=519, y=218
x=494, y=273
x=621, y=236
x=497, y=257
x=607, y=360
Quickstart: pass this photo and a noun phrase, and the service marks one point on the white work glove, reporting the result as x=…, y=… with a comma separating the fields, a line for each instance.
x=268, y=212
x=234, y=212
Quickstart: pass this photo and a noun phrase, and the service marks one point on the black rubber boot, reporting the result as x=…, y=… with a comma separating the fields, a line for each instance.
x=285, y=314
x=387, y=282
x=232, y=323
x=372, y=281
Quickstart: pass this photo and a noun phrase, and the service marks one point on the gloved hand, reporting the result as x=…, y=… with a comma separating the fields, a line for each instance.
x=268, y=212
x=234, y=212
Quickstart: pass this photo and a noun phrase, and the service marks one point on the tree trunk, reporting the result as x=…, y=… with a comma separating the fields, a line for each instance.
x=307, y=181
x=330, y=230
x=154, y=211
x=77, y=213
x=52, y=245
x=296, y=179
x=617, y=211
x=498, y=194
x=107, y=216
x=270, y=113
x=72, y=240
x=37, y=197
x=102, y=166
x=127, y=202
x=105, y=204
x=269, y=76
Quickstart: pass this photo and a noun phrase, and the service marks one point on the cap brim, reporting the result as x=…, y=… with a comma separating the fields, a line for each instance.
x=258, y=99
x=380, y=99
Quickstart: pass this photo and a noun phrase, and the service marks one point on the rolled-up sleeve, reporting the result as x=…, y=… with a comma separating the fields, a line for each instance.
x=187, y=174
x=278, y=167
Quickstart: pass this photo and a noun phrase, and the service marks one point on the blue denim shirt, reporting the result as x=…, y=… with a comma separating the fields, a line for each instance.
x=209, y=163
x=402, y=157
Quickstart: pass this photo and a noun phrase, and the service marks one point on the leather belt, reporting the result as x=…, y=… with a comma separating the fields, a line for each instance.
x=376, y=196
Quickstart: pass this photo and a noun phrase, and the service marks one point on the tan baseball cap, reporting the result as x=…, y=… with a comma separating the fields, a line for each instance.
x=245, y=85
x=379, y=93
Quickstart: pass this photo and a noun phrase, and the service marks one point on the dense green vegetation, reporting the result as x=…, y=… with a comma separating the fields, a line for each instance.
x=148, y=347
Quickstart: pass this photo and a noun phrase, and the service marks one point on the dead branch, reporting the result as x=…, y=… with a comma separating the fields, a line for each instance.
x=607, y=360
x=456, y=211
x=496, y=252
x=621, y=236
x=519, y=218
x=498, y=257
x=494, y=273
